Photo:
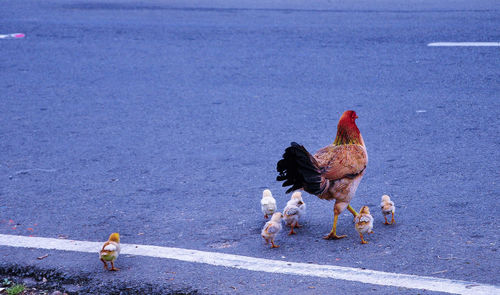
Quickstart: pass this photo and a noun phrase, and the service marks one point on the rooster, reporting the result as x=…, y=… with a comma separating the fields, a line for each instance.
x=333, y=173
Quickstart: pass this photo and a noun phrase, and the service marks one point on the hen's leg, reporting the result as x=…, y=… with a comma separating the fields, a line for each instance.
x=337, y=209
x=353, y=212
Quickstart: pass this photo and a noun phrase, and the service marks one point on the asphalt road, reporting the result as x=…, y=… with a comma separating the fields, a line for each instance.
x=164, y=121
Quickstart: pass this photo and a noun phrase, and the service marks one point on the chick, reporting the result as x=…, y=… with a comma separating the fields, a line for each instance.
x=302, y=206
x=272, y=228
x=364, y=223
x=110, y=251
x=388, y=207
x=267, y=203
x=294, y=209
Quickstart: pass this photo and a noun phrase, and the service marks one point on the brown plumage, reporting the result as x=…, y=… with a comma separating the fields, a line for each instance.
x=333, y=173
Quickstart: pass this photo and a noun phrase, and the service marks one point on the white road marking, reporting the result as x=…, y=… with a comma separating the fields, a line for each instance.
x=262, y=265
x=12, y=36
x=476, y=44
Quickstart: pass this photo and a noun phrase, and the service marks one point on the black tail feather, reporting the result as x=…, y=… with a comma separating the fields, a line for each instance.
x=299, y=169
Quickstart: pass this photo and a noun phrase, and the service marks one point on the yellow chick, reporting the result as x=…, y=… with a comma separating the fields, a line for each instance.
x=267, y=203
x=110, y=251
x=272, y=228
x=294, y=209
x=388, y=207
x=364, y=223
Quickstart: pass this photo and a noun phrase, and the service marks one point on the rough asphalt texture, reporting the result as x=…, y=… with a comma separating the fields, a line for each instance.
x=164, y=121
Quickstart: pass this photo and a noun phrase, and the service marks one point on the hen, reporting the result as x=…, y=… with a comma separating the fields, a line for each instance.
x=333, y=173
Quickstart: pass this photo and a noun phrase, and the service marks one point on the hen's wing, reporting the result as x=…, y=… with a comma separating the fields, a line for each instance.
x=341, y=161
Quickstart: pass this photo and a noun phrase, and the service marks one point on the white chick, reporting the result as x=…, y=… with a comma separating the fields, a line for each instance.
x=272, y=228
x=364, y=223
x=293, y=211
x=267, y=203
x=302, y=206
x=388, y=207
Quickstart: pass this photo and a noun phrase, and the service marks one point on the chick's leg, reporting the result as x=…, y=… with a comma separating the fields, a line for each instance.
x=337, y=209
x=291, y=230
x=362, y=239
x=392, y=220
x=386, y=222
x=273, y=245
x=113, y=268
x=105, y=264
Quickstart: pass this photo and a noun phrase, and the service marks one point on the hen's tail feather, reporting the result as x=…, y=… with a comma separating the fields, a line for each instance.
x=300, y=170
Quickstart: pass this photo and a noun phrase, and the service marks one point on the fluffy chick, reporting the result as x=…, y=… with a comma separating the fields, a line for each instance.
x=272, y=228
x=110, y=251
x=364, y=223
x=293, y=211
x=388, y=207
x=267, y=203
x=302, y=206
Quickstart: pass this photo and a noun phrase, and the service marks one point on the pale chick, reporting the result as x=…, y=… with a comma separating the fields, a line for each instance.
x=272, y=228
x=364, y=223
x=388, y=207
x=110, y=251
x=267, y=203
x=294, y=209
x=302, y=206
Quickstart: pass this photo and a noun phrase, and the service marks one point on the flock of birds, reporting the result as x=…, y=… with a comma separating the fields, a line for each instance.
x=332, y=173
x=296, y=208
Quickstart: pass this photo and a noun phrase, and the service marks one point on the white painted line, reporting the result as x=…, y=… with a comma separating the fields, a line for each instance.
x=12, y=36
x=263, y=265
x=476, y=44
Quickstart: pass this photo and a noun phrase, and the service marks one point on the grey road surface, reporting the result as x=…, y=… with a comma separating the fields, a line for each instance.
x=164, y=120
